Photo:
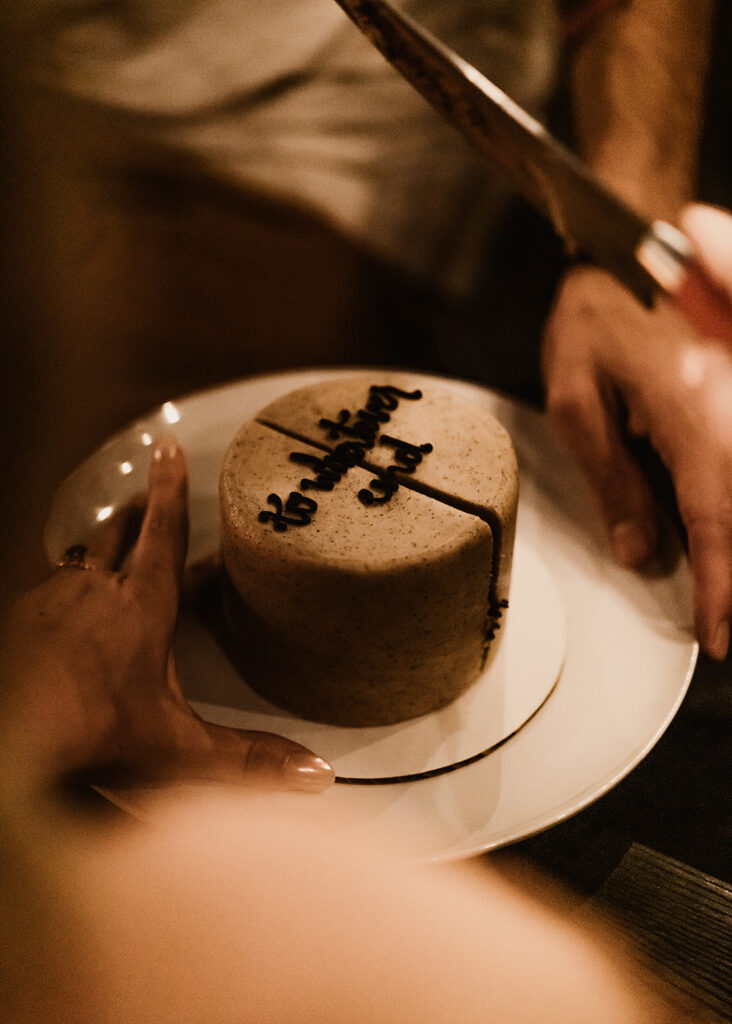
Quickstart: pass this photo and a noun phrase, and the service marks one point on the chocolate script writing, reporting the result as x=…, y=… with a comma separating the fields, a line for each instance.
x=299, y=507
x=361, y=433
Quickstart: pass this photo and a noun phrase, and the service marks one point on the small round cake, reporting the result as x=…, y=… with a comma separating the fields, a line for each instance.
x=367, y=537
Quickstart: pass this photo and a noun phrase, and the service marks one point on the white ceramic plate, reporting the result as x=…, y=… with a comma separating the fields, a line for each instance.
x=630, y=650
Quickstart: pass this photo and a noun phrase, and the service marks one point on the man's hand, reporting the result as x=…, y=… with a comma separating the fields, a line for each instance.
x=604, y=356
x=92, y=692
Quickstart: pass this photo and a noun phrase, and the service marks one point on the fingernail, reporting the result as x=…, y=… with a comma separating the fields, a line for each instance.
x=630, y=544
x=165, y=448
x=718, y=643
x=308, y=772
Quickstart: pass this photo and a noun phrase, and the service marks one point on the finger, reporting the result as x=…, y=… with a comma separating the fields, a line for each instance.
x=587, y=420
x=705, y=305
x=705, y=295
x=205, y=750
x=190, y=748
x=159, y=556
x=261, y=759
x=710, y=556
x=710, y=229
x=258, y=760
x=112, y=542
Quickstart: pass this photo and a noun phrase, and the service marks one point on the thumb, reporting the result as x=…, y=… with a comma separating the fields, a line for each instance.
x=709, y=548
x=183, y=748
x=588, y=422
x=259, y=759
x=201, y=750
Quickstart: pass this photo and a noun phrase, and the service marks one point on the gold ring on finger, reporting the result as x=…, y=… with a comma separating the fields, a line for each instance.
x=75, y=558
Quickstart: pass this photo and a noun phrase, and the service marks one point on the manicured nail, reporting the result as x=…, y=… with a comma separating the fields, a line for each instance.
x=165, y=448
x=718, y=643
x=630, y=544
x=308, y=772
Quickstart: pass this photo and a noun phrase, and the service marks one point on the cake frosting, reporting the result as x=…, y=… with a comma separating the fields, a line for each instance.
x=367, y=536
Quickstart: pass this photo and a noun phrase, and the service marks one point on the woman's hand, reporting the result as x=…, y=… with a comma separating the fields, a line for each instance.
x=92, y=692
x=605, y=357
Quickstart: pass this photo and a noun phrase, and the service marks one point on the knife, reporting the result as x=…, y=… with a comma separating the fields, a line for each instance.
x=646, y=257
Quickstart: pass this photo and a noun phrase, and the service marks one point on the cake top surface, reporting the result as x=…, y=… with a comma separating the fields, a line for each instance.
x=369, y=473
x=259, y=476
x=427, y=438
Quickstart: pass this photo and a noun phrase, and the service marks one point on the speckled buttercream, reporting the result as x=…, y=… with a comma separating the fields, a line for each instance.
x=361, y=610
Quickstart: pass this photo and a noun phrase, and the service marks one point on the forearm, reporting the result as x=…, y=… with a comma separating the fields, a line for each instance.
x=637, y=83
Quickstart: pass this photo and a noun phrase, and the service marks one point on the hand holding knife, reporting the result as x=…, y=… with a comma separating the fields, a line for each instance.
x=648, y=258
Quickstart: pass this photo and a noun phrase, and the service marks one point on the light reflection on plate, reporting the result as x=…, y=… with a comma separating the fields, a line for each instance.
x=630, y=650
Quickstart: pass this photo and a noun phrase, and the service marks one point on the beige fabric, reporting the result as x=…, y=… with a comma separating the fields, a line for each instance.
x=286, y=97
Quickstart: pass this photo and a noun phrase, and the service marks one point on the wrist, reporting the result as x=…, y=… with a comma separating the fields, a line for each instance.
x=654, y=191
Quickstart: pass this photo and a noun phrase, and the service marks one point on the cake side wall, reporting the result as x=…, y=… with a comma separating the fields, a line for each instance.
x=364, y=615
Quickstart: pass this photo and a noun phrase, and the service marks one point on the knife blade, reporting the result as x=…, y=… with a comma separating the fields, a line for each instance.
x=647, y=257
